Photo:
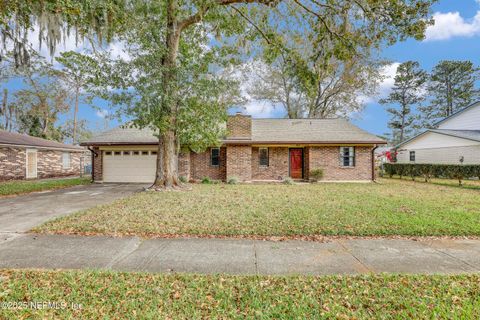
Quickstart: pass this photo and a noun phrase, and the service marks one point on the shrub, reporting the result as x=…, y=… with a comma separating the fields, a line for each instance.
x=232, y=180
x=207, y=180
x=287, y=180
x=183, y=179
x=316, y=175
x=427, y=171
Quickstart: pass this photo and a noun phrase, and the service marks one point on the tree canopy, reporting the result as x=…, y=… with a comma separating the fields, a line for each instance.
x=180, y=51
x=55, y=20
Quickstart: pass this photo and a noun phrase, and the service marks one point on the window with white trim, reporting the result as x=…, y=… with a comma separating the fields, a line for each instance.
x=412, y=156
x=347, y=156
x=66, y=160
x=263, y=157
x=215, y=157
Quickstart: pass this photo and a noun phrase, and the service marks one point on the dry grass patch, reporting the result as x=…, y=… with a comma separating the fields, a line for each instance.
x=393, y=207
x=113, y=295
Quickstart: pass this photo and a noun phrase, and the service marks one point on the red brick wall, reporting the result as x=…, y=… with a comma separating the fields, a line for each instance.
x=277, y=166
x=328, y=158
x=306, y=162
x=97, y=165
x=12, y=163
x=49, y=164
x=239, y=126
x=184, y=164
x=239, y=162
x=200, y=166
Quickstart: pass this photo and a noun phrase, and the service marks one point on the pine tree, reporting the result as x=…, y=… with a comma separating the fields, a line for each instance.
x=407, y=93
x=451, y=88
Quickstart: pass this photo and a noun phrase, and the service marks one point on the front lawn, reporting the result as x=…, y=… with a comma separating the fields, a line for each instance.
x=23, y=186
x=112, y=295
x=393, y=207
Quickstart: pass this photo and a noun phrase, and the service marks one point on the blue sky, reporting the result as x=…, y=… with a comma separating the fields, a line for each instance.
x=456, y=36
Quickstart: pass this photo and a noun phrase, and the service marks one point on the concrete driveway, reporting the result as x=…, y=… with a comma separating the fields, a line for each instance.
x=21, y=213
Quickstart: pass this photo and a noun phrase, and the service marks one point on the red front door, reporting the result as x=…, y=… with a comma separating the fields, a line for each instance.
x=296, y=163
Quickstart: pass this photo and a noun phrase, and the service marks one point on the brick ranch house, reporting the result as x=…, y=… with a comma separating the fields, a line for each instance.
x=253, y=150
x=26, y=157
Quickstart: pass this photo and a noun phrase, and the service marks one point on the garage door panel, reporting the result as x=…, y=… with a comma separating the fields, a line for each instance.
x=129, y=168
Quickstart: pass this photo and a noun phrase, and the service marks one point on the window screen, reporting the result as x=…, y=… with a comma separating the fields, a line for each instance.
x=215, y=156
x=263, y=157
x=66, y=160
x=347, y=156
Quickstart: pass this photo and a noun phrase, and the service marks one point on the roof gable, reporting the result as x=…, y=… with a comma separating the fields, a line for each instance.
x=466, y=119
x=435, y=138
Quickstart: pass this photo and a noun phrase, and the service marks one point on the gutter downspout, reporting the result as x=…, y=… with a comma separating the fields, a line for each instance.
x=94, y=154
x=373, y=163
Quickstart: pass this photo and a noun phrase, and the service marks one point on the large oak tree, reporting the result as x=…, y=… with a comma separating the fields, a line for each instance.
x=246, y=27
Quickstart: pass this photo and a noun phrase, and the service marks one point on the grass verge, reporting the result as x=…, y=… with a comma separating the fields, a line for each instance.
x=21, y=187
x=391, y=208
x=112, y=295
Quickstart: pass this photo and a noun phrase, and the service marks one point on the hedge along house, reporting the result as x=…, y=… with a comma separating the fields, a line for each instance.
x=253, y=150
x=27, y=157
x=454, y=140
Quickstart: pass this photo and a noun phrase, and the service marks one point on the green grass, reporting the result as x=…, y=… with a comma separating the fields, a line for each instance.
x=112, y=295
x=20, y=187
x=394, y=207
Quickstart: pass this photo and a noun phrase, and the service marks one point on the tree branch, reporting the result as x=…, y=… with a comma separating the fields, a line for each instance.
x=197, y=17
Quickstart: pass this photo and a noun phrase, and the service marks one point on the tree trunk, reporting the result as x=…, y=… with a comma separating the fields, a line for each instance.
x=167, y=162
x=5, y=109
x=402, y=129
x=167, y=158
x=74, y=134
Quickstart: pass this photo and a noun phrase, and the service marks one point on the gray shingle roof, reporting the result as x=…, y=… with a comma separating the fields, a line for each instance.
x=309, y=130
x=124, y=135
x=263, y=131
x=465, y=134
x=17, y=139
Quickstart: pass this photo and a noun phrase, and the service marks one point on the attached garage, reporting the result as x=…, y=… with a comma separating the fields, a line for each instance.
x=129, y=166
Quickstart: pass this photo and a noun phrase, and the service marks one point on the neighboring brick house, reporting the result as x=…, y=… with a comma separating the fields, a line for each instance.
x=26, y=157
x=253, y=150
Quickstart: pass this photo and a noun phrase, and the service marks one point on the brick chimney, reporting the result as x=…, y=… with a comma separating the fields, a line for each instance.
x=239, y=127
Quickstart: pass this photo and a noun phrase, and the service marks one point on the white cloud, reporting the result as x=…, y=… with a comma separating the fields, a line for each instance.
x=103, y=113
x=452, y=24
x=260, y=109
x=388, y=73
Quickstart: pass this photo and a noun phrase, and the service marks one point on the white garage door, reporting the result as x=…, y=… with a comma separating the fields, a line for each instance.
x=129, y=166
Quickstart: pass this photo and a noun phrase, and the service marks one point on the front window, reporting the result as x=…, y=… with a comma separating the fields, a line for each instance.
x=66, y=160
x=215, y=156
x=347, y=156
x=412, y=156
x=263, y=157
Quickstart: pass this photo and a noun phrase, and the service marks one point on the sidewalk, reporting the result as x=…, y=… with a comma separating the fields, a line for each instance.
x=18, y=250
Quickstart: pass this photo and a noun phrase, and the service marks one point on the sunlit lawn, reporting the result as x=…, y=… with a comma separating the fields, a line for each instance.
x=392, y=207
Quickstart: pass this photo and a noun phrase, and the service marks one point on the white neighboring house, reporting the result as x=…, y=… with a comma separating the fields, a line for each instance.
x=456, y=140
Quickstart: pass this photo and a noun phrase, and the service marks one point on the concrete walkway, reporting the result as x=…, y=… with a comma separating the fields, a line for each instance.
x=239, y=256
